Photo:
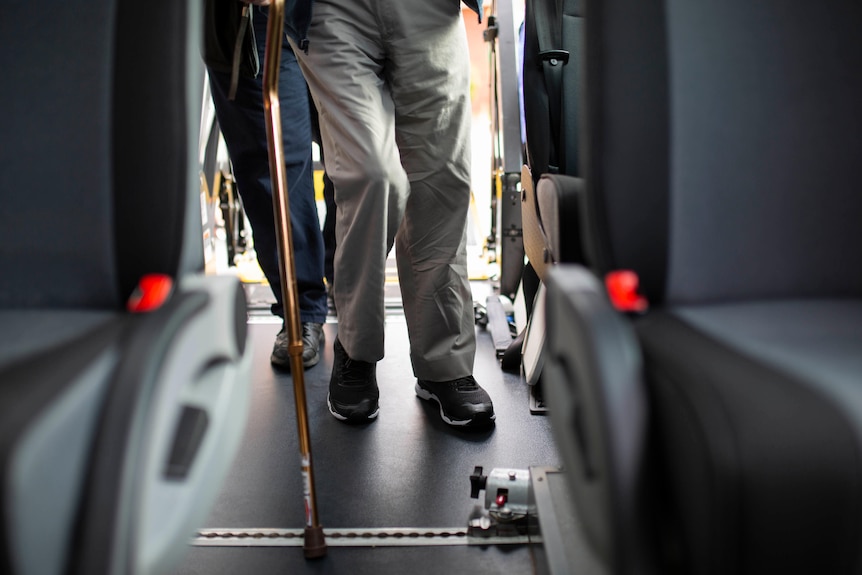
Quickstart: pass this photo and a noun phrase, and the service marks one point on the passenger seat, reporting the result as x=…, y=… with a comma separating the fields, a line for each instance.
x=721, y=430
x=122, y=394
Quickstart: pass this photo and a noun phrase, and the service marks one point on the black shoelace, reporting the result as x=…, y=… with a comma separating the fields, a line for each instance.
x=356, y=372
x=465, y=384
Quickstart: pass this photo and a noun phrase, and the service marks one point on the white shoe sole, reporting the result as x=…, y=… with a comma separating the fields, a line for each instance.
x=423, y=393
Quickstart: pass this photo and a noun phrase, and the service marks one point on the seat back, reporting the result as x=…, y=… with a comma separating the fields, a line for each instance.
x=722, y=146
x=553, y=38
x=552, y=70
x=96, y=149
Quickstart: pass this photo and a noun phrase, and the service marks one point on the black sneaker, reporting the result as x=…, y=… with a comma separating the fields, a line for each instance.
x=462, y=401
x=353, y=392
x=312, y=337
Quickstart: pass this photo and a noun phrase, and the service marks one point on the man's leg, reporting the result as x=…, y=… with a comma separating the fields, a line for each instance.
x=430, y=88
x=343, y=68
x=296, y=142
x=243, y=125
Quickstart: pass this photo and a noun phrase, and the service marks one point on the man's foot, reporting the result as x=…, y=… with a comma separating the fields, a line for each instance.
x=353, y=392
x=462, y=401
x=312, y=338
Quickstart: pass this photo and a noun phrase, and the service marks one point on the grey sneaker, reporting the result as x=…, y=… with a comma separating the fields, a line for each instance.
x=462, y=401
x=353, y=392
x=312, y=338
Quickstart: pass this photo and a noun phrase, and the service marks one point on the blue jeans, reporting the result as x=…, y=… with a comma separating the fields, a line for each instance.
x=243, y=126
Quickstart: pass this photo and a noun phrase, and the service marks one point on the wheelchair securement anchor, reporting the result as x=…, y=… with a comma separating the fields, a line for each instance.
x=509, y=510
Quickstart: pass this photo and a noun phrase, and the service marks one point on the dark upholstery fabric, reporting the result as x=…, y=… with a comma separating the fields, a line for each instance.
x=819, y=341
x=573, y=41
x=552, y=143
x=766, y=137
x=86, y=160
x=537, y=123
x=55, y=178
x=626, y=141
x=763, y=457
x=150, y=177
x=725, y=126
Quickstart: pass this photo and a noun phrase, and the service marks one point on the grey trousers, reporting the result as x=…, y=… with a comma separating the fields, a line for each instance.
x=391, y=81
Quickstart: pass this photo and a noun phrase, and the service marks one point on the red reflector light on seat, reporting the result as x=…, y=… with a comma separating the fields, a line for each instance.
x=153, y=290
x=622, y=286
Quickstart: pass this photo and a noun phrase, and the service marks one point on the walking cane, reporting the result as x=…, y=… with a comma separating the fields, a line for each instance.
x=314, y=544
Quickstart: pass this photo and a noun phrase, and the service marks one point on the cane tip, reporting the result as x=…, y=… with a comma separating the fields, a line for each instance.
x=314, y=544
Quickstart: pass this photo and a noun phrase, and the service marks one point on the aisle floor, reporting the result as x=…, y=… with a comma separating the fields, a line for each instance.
x=407, y=469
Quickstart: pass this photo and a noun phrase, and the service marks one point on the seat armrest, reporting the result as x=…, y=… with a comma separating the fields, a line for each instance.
x=598, y=408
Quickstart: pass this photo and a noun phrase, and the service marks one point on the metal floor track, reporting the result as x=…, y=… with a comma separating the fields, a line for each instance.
x=378, y=537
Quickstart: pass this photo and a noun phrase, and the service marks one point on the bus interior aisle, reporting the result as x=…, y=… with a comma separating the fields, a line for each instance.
x=407, y=470
x=393, y=495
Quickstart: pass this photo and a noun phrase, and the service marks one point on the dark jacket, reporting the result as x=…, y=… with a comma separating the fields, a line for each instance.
x=297, y=18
